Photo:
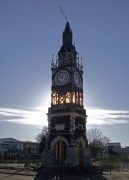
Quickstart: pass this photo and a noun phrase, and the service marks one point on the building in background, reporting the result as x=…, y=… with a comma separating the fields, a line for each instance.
x=115, y=148
x=3, y=148
x=125, y=151
x=11, y=148
x=30, y=147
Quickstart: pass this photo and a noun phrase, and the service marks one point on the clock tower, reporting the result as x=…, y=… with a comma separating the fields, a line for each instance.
x=67, y=141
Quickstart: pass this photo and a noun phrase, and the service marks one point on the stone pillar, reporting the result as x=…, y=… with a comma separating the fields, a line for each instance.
x=72, y=130
x=71, y=157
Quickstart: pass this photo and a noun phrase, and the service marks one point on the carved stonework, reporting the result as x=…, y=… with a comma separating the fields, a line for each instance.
x=82, y=141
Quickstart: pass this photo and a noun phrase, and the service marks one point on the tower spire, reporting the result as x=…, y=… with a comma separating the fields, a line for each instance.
x=67, y=36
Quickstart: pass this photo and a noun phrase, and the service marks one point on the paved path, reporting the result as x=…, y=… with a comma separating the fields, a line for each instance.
x=15, y=177
x=117, y=175
x=18, y=172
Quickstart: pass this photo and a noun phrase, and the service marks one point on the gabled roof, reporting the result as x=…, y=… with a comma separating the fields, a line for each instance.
x=9, y=140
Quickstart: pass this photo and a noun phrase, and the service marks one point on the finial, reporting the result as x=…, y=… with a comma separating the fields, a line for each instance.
x=52, y=62
x=81, y=59
x=81, y=63
x=62, y=12
x=52, y=57
x=78, y=60
x=78, y=56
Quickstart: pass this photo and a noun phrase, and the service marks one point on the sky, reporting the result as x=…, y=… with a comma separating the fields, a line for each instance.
x=31, y=31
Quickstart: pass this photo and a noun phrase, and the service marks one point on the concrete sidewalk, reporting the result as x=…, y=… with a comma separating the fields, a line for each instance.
x=18, y=172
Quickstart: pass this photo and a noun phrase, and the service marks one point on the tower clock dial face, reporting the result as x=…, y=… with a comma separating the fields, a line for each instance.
x=62, y=77
x=77, y=79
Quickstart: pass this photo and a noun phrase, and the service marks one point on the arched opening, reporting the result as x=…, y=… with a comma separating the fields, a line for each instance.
x=81, y=143
x=60, y=149
x=79, y=147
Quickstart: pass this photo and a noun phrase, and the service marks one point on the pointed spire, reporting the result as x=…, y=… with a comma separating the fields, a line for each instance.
x=67, y=36
x=67, y=47
x=67, y=27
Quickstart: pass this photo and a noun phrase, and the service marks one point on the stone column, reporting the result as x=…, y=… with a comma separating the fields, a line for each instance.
x=72, y=129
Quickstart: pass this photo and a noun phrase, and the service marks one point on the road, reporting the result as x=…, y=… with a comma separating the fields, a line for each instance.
x=15, y=177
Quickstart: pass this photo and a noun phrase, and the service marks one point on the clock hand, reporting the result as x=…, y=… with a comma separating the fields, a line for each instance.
x=63, y=76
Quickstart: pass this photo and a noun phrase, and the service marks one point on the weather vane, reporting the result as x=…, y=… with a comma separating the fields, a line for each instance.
x=62, y=12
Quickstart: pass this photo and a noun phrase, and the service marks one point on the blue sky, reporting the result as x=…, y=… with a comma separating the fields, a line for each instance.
x=31, y=31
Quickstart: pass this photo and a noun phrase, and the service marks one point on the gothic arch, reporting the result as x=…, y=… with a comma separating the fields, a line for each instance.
x=58, y=138
x=82, y=140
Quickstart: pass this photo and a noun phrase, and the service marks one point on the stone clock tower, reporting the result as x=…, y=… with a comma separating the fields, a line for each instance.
x=66, y=140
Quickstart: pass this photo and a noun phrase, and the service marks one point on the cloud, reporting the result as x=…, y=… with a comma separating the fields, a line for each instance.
x=98, y=116
x=37, y=116
x=33, y=116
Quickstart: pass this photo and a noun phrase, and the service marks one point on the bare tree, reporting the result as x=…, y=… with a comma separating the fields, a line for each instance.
x=41, y=134
x=97, y=142
x=42, y=138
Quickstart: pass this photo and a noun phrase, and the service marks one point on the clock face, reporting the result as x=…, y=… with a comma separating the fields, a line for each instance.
x=77, y=79
x=62, y=77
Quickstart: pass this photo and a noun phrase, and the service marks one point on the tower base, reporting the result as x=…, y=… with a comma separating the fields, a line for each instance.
x=72, y=159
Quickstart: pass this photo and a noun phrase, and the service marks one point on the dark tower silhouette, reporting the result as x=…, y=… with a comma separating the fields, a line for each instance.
x=67, y=139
